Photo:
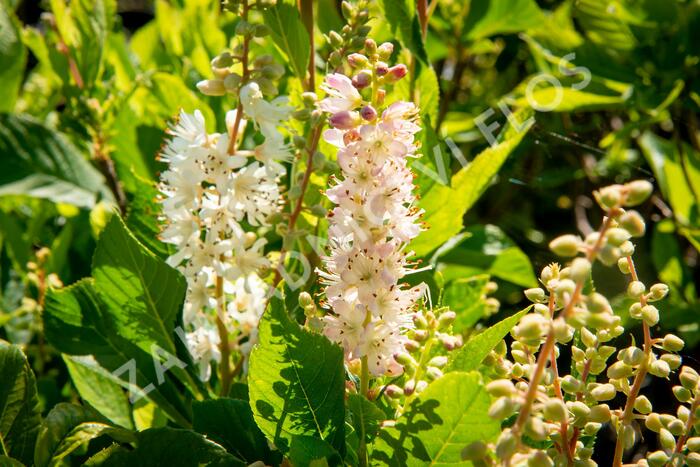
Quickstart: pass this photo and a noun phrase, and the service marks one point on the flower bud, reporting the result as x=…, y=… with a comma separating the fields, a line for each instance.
x=666, y=439
x=623, y=265
x=578, y=409
x=632, y=222
x=603, y=392
x=636, y=310
x=531, y=327
x=502, y=408
x=409, y=388
x=272, y=71
x=474, y=451
x=653, y=422
x=642, y=405
x=658, y=291
x=632, y=356
x=393, y=391
x=609, y=197
x=345, y=120
x=335, y=39
x=570, y=384
x=627, y=249
x=660, y=368
x=539, y=459
x=438, y=361
x=657, y=459
x=211, y=87
x=580, y=269
x=433, y=373
x=598, y=303
x=395, y=73
x=592, y=428
x=693, y=459
x=305, y=299
x=608, y=255
x=672, y=343
x=223, y=60
x=368, y=113
x=650, y=315
x=563, y=333
x=420, y=321
x=506, y=445
x=370, y=47
x=689, y=378
x=682, y=394
x=500, y=388
x=555, y=410
x=565, y=245
x=385, y=50
x=637, y=192
x=357, y=60
x=536, y=295
x=617, y=236
x=619, y=370
x=599, y=413
x=405, y=359
x=676, y=427
x=693, y=444
x=362, y=79
x=636, y=289
x=446, y=319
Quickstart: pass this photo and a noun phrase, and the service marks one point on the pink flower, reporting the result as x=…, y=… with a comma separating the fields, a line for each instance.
x=342, y=94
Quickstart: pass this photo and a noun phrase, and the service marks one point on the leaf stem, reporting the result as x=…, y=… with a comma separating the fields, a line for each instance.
x=306, y=8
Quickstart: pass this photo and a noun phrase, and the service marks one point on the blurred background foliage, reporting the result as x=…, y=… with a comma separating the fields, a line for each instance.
x=87, y=91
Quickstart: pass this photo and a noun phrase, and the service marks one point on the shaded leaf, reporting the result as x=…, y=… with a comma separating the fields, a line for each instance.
x=289, y=35
x=13, y=56
x=465, y=296
x=502, y=17
x=404, y=24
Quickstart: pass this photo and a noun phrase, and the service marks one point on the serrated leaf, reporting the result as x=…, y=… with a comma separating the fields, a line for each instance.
x=19, y=404
x=403, y=21
x=230, y=423
x=464, y=296
x=13, y=56
x=142, y=219
x=289, y=35
x=40, y=162
x=448, y=415
x=296, y=382
x=66, y=428
x=473, y=352
x=467, y=186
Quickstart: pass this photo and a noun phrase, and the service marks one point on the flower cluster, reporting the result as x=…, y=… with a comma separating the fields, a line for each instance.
x=373, y=219
x=565, y=408
x=213, y=196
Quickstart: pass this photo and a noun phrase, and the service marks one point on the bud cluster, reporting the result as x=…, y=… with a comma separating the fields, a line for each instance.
x=353, y=34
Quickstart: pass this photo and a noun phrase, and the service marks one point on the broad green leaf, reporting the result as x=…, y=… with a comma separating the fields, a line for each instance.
x=142, y=219
x=547, y=92
x=484, y=249
x=473, y=352
x=100, y=391
x=77, y=322
x=15, y=241
x=465, y=296
x=289, y=35
x=40, y=162
x=604, y=25
x=171, y=446
x=366, y=416
x=66, y=428
x=309, y=451
x=230, y=423
x=296, y=381
x=404, y=24
x=451, y=413
x=93, y=21
x=19, y=405
x=13, y=56
x=10, y=462
x=426, y=92
x=501, y=17
x=446, y=205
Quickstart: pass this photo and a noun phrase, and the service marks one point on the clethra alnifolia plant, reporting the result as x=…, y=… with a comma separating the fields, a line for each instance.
x=551, y=415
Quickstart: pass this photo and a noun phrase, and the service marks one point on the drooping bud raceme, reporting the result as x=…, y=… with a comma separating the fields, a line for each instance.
x=208, y=196
x=374, y=218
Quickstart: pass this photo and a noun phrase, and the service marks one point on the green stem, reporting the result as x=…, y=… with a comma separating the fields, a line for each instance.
x=364, y=377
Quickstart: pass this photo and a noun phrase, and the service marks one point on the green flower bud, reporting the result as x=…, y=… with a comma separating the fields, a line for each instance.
x=446, y=319
x=693, y=459
x=632, y=222
x=506, y=444
x=305, y=299
x=474, y=451
x=608, y=255
x=660, y=368
x=261, y=30
x=676, y=427
x=370, y=47
x=658, y=291
x=689, y=378
x=674, y=361
x=335, y=39
x=536, y=295
x=502, y=408
x=555, y=410
x=672, y=343
x=636, y=289
x=642, y=405
x=592, y=428
x=637, y=192
x=627, y=249
x=657, y=459
x=636, y=310
x=500, y=388
x=211, y=87
x=604, y=392
x=598, y=303
x=617, y=236
x=619, y=370
x=599, y=413
x=563, y=333
x=539, y=459
x=433, y=373
x=571, y=385
x=347, y=10
x=693, y=444
x=628, y=436
x=393, y=391
x=633, y=356
x=650, y=315
x=653, y=422
x=565, y=245
x=578, y=409
x=666, y=439
x=682, y=394
x=223, y=60
x=531, y=326
x=623, y=265
x=609, y=197
x=405, y=359
x=580, y=269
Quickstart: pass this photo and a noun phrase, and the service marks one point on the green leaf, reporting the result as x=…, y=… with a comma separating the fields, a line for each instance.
x=13, y=56
x=604, y=25
x=142, y=219
x=501, y=17
x=66, y=428
x=100, y=391
x=466, y=187
x=471, y=354
x=230, y=423
x=426, y=93
x=451, y=413
x=40, y=162
x=171, y=446
x=14, y=239
x=289, y=35
x=550, y=93
x=366, y=416
x=296, y=382
x=465, y=296
x=10, y=462
x=308, y=451
x=93, y=20
x=19, y=405
x=484, y=249
x=404, y=24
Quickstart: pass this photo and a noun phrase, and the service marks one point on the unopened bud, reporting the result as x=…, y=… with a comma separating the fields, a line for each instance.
x=385, y=50
x=536, y=295
x=474, y=451
x=211, y=87
x=395, y=73
x=335, y=39
x=617, y=236
x=666, y=439
x=689, y=378
x=632, y=222
x=580, y=269
x=362, y=79
x=642, y=405
x=381, y=68
x=604, y=392
x=658, y=292
x=676, y=427
x=609, y=197
x=693, y=444
x=345, y=119
x=693, y=459
x=393, y=391
x=402, y=358
x=446, y=319
x=637, y=192
x=433, y=373
x=653, y=422
x=633, y=356
x=370, y=47
x=650, y=315
x=357, y=60
x=368, y=113
x=660, y=368
x=623, y=265
x=305, y=299
x=500, y=388
x=672, y=343
x=599, y=413
x=565, y=245
x=682, y=394
x=657, y=459
x=636, y=289
x=619, y=370
x=502, y=408
x=555, y=410
x=506, y=445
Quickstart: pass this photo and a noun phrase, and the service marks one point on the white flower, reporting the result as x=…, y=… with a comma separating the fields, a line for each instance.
x=203, y=344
